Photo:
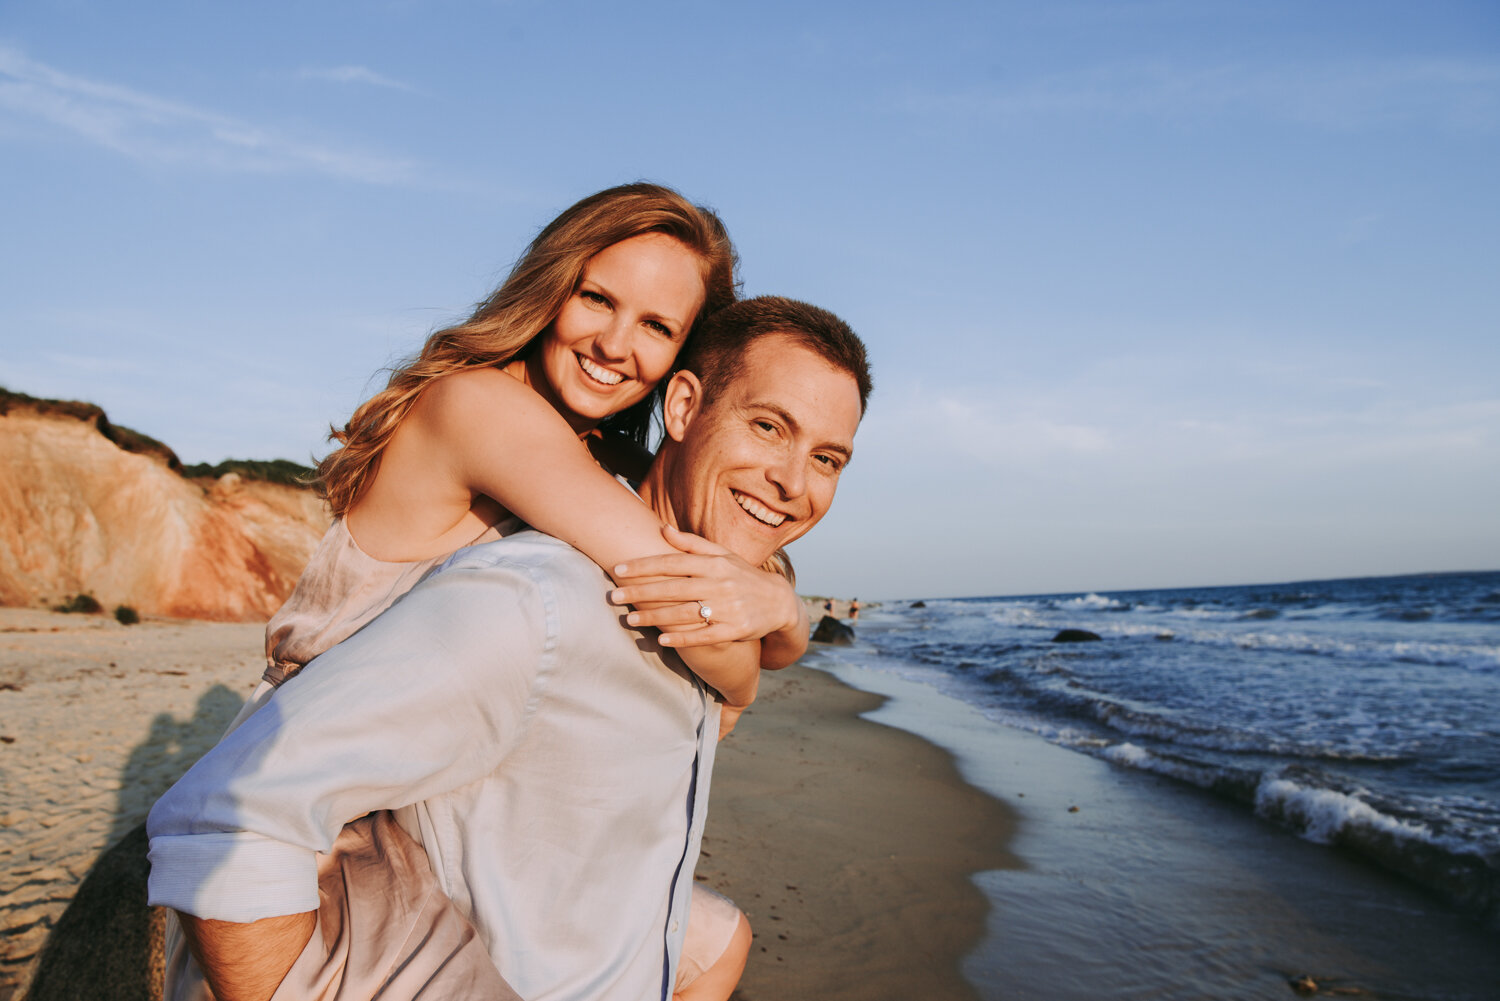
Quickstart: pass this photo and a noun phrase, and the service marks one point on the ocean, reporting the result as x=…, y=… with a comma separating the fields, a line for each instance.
x=1361, y=714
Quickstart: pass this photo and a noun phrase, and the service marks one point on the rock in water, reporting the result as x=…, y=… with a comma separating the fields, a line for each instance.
x=1076, y=636
x=831, y=630
x=919, y=604
x=108, y=944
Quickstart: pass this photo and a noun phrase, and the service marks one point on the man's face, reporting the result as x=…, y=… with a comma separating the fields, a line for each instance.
x=757, y=466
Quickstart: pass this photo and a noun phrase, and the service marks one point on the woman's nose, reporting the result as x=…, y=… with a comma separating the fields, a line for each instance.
x=613, y=342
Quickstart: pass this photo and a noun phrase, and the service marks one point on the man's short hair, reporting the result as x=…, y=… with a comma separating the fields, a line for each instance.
x=715, y=354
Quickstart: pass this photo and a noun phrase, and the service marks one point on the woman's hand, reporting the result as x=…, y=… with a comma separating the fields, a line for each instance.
x=745, y=602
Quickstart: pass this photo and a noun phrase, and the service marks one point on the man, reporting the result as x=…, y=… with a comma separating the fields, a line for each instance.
x=554, y=765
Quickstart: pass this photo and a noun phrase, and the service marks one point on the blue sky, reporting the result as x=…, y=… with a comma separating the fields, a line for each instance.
x=1157, y=293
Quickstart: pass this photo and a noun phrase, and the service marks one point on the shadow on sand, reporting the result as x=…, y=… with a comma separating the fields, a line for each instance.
x=107, y=945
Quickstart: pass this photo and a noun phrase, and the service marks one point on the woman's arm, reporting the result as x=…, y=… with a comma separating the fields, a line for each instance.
x=745, y=600
x=490, y=434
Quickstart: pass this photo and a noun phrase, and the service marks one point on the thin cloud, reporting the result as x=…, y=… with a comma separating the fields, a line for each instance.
x=354, y=74
x=1452, y=92
x=979, y=431
x=159, y=130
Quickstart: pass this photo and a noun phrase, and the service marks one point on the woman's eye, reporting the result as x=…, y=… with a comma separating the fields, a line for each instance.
x=593, y=297
x=766, y=426
x=660, y=328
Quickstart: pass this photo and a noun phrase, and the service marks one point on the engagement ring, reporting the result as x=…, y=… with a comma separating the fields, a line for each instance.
x=706, y=612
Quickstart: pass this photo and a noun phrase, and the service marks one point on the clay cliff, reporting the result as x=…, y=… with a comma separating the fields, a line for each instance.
x=90, y=508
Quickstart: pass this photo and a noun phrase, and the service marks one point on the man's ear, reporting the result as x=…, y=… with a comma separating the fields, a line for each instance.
x=682, y=403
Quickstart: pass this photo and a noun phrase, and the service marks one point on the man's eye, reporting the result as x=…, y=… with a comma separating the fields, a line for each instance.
x=831, y=461
x=766, y=426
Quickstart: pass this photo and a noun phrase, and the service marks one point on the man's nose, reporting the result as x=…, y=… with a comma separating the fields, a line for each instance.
x=790, y=476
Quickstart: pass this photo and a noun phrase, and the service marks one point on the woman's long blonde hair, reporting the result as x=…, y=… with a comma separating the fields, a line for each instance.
x=506, y=324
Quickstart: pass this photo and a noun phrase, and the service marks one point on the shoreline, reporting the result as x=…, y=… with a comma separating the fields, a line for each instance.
x=1134, y=885
x=850, y=846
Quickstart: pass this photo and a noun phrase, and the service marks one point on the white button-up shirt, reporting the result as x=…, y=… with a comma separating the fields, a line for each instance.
x=554, y=764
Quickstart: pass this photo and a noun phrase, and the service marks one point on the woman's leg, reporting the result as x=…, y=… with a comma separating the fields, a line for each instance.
x=714, y=950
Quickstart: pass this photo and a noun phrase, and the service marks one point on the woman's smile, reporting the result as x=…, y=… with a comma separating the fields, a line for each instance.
x=598, y=373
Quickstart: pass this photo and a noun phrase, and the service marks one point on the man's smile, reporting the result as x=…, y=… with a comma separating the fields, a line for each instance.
x=598, y=373
x=757, y=510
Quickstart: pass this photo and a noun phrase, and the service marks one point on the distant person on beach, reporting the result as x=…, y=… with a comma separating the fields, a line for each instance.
x=555, y=766
x=503, y=421
x=854, y=610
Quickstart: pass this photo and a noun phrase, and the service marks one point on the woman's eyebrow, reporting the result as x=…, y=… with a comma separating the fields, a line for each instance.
x=650, y=314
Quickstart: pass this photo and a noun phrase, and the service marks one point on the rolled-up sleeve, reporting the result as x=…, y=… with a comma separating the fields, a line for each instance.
x=430, y=696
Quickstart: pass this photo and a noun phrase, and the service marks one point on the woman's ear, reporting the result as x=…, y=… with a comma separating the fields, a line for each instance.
x=683, y=400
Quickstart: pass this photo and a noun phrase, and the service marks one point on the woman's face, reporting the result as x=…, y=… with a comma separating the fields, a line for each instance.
x=619, y=332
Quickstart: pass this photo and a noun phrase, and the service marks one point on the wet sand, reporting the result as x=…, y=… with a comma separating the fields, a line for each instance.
x=850, y=847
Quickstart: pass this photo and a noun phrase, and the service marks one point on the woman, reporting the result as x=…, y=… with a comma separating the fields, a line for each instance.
x=504, y=419
x=486, y=423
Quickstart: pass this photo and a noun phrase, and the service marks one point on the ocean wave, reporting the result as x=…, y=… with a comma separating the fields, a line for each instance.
x=1463, y=871
x=1322, y=815
x=1094, y=603
x=1459, y=865
x=1236, y=784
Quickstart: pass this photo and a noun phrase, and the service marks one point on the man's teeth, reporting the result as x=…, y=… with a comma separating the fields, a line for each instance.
x=603, y=375
x=759, y=511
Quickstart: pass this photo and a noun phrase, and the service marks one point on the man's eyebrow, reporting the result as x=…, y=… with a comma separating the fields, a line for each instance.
x=791, y=422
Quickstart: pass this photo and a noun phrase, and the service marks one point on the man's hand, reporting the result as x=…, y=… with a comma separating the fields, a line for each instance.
x=247, y=962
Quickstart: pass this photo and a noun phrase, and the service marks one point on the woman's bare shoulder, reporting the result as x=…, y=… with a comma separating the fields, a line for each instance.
x=476, y=394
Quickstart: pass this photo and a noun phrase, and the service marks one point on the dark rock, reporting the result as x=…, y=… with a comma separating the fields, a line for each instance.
x=831, y=630
x=1076, y=636
x=108, y=944
x=919, y=604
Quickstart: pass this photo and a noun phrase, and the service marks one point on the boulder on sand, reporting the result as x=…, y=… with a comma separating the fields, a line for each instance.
x=831, y=630
x=1076, y=636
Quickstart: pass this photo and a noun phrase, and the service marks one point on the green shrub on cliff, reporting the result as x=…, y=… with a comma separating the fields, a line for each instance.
x=125, y=438
x=268, y=470
x=85, y=604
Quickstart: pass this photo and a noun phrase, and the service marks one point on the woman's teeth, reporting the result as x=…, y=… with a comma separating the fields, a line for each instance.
x=759, y=511
x=599, y=374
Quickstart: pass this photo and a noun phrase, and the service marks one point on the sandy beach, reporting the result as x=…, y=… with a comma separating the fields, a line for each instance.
x=848, y=844
x=96, y=721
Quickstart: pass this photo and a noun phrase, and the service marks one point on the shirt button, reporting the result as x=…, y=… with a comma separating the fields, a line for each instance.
x=674, y=927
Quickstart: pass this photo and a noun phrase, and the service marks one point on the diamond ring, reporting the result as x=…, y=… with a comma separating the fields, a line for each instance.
x=705, y=612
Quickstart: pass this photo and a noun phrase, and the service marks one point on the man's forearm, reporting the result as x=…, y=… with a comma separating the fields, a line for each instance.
x=247, y=962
